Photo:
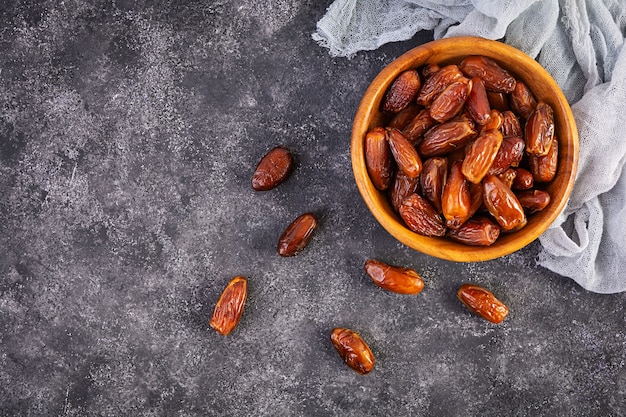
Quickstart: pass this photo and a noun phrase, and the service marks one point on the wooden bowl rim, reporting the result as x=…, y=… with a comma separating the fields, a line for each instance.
x=443, y=51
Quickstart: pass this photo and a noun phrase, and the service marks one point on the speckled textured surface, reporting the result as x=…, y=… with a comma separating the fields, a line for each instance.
x=129, y=131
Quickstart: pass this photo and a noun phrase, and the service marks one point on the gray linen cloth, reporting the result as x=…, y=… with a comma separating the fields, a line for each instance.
x=581, y=44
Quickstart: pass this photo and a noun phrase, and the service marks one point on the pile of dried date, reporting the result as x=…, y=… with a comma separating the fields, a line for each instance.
x=454, y=159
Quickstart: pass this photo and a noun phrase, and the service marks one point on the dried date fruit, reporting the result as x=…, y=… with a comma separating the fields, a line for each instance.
x=436, y=83
x=428, y=70
x=534, y=200
x=508, y=176
x=297, y=235
x=403, y=118
x=476, y=198
x=495, y=121
x=404, y=153
x=402, y=187
x=477, y=102
x=353, y=350
x=416, y=128
x=273, y=169
x=480, y=154
x=498, y=101
x=402, y=91
x=543, y=168
x=511, y=125
x=451, y=100
x=493, y=75
x=509, y=155
x=394, y=278
x=482, y=302
x=456, y=200
x=523, y=180
x=502, y=203
x=477, y=231
x=522, y=100
x=432, y=180
x=446, y=137
x=539, y=130
x=420, y=216
x=378, y=158
x=229, y=307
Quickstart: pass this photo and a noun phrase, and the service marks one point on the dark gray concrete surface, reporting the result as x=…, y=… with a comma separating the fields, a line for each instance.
x=129, y=131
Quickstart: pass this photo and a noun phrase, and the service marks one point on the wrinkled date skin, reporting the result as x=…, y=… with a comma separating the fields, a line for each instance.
x=403, y=118
x=522, y=100
x=482, y=302
x=480, y=155
x=297, y=235
x=394, y=278
x=353, y=350
x=402, y=187
x=511, y=125
x=447, y=137
x=456, y=201
x=436, y=83
x=509, y=155
x=493, y=75
x=534, y=200
x=502, y=203
x=378, y=158
x=402, y=91
x=432, y=180
x=420, y=216
x=540, y=130
x=451, y=100
x=273, y=169
x=499, y=101
x=416, y=128
x=229, y=307
x=404, y=153
x=544, y=168
x=477, y=231
x=508, y=177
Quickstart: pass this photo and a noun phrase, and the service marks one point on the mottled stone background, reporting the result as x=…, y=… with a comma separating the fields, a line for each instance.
x=129, y=131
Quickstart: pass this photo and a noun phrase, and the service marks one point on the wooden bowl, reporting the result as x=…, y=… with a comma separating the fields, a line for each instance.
x=523, y=67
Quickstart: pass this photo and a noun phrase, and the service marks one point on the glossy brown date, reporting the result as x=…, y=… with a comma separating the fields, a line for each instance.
x=502, y=203
x=499, y=101
x=539, y=130
x=451, y=100
x=402, y=187
x=508, y=176
x=478, y=103
x=436, y=83
x=446, y=137
x=477, y=231
x=402, y=91
x=420, y=216
x=482, y=302
x=522, y=100
x=297, y=235
x=432, y=180
x=378, y=158
x=523, y=180
x=404, y=153
x=353, y=350
x=480, y=155
x=229, y=307
x=509, y=155
x=534, y=200
x=544, y=168
x=456, y=200
x=273, y=169
x=394, y=278
x=494, y=76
